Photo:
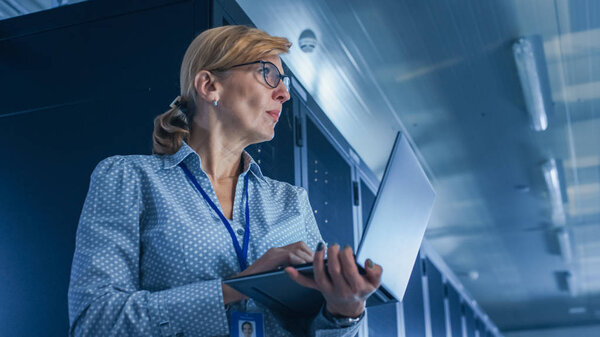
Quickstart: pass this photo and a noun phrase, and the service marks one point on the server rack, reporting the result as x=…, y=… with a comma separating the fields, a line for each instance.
x=79, y=83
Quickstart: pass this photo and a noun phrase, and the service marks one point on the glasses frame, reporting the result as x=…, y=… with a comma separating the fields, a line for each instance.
x=284, y=78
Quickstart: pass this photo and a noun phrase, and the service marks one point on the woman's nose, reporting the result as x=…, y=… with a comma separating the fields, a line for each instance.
x=280, y=93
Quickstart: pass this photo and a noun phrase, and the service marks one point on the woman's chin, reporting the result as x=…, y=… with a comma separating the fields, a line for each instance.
x=268, y=134
x=264, y=136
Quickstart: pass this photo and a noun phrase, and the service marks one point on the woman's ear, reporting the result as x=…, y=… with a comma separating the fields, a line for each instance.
x=206, y=86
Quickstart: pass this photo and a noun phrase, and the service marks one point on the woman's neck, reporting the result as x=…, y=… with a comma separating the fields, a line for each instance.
x=221, y=155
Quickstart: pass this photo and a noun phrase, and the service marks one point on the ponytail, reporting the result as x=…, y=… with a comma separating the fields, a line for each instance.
x=171, y=128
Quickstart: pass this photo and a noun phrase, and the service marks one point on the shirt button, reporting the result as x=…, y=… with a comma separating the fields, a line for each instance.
x=240, y=231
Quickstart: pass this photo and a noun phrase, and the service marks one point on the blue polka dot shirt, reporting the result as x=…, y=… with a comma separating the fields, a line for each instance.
x=151, y=253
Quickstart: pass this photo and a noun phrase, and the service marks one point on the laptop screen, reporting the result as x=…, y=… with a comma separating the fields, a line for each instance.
x=398, y=220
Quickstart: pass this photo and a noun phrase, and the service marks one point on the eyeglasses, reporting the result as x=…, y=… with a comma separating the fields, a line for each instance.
x=270, y=73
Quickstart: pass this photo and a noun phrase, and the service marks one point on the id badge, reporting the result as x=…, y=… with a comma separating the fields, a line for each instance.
x=247, y=324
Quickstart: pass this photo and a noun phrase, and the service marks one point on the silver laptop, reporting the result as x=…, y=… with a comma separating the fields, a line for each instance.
x=392, y=239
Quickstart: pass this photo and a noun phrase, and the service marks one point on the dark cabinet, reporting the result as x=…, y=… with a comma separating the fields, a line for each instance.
x=454, y=310
x=276, y=157
x=469, y=320
x=414, y=310
x=435, y=287
x=329, y=187
x=86, y=82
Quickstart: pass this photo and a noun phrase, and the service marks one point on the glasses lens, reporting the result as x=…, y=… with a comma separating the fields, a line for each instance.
x=286, y=82
x=271, y=75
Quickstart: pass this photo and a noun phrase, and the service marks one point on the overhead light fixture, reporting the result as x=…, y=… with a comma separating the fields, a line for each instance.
x=564, y=244
x=567, y=282
x=577, y=310
x=551, y=175
x=531, y=66
x=571, y=284
x=473, y=275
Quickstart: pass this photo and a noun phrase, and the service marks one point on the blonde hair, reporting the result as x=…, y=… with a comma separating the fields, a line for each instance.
x=215, y=50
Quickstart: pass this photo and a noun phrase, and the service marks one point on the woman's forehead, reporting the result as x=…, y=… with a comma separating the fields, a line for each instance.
x=272, y=58
x=275, y=59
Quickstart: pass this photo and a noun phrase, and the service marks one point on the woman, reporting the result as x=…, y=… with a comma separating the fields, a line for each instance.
x=158, y=234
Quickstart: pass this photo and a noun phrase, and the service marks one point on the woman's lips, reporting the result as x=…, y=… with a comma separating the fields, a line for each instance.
x=274, y=114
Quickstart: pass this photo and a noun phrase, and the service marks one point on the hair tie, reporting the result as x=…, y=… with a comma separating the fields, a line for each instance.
x=178, y=103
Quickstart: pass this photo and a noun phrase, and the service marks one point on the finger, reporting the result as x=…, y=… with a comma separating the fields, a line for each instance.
x=302, y=254
x=295, y=259
x=335, y=269
x=301, y=279
x=349, y=270
x=301, y=245
x=320, y=276
x=279, y=256
x=373, y=273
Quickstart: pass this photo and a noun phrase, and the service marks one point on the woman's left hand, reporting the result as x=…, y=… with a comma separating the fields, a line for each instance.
x=345, y=290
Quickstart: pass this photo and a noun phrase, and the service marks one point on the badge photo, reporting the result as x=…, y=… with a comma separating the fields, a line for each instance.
x=247, y=324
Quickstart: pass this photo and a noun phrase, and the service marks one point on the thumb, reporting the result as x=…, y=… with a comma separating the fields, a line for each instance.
x=373, y=273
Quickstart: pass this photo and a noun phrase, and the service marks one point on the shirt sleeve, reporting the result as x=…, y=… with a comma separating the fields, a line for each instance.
x=320, y=326
x=104, y=297
x=313, y=235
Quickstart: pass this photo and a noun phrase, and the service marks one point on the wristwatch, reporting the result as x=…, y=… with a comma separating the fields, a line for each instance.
x=342, y=322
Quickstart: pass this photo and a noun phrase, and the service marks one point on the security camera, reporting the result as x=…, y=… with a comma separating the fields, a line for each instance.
x=307, y=41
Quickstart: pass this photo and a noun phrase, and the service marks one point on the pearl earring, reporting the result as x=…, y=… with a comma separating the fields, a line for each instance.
x=215, y=103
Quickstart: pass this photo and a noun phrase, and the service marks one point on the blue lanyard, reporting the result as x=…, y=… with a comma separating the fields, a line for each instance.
x=242, y=254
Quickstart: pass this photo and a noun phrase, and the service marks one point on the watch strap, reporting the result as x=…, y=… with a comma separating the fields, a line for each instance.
x=342, y=322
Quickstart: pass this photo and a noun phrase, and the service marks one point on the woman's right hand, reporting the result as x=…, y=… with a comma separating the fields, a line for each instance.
x=295, y=253
x=292, y=254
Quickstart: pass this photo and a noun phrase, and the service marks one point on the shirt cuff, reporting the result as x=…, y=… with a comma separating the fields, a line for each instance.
x=196, y=309
x=343, y=322
x=321, y=326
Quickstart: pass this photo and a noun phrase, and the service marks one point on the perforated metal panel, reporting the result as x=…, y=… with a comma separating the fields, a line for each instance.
x=454, y=310
x=100, y=75
x=479, y=327
x=276, y=157
x=382, y=320
x=469, y=320
x=436, y=300
x=414, y=310
x=329, y=187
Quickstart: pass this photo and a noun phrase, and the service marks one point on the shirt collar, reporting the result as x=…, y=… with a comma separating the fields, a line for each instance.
x=172, y=160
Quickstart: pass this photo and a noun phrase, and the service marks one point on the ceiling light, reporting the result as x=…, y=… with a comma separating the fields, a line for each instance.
x=577, y=310
x=531, y=66
x=567, y=282
x=564, y=243
x=571, y=286
x=474, y=275
x=552, y=178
